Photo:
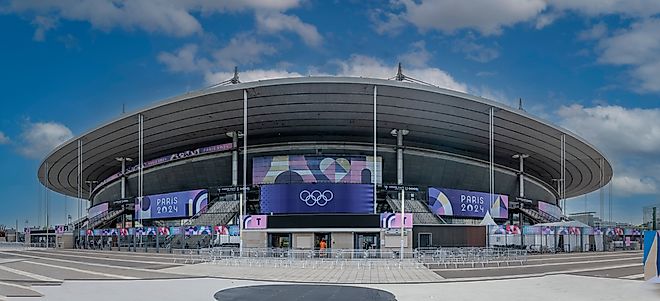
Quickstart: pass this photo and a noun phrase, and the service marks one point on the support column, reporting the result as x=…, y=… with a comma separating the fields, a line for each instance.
x=375, y=152
x=398, y=133
x=234, y=159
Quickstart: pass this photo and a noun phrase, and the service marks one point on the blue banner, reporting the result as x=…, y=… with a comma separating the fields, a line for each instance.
x=463, y=203
x=317, y=198
x=171, y=205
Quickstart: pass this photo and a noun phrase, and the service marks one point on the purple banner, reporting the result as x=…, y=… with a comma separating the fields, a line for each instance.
x=463, y=203
x=393, y=220
x=317, y=198
x=171, y=205
x=251, y=222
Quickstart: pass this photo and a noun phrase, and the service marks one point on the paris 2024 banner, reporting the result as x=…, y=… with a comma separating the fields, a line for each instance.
x=463, y=203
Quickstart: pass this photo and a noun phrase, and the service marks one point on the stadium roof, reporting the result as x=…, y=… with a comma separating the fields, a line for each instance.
x=323, y=107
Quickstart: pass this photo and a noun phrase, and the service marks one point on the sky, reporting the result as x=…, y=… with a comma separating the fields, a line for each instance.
x=591, y=66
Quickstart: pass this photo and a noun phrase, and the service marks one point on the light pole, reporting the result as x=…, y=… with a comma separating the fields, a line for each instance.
x=403, y=219
x=92, y=183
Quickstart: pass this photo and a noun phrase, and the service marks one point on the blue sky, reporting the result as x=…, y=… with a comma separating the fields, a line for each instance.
x=592, y=66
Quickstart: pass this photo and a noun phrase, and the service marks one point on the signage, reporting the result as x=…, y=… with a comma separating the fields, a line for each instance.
x=393, y=220
x=253, y=222
x=290, y=169
x=317, y=198
x=463, y=203
x=171, y=205
x=170, y=158
x=401, y=187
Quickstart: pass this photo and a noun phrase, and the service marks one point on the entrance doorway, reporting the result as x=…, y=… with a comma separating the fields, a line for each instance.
x=322, y=237
x=425, y=240
x=279, y=240
x=367, y=241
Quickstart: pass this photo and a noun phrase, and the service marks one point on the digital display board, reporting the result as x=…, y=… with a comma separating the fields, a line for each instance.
x=316, y=198
x=463, y=203
x=291, y=169
x=171, y=205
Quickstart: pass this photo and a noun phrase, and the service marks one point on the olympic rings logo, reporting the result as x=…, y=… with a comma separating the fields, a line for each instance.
x=316, y=197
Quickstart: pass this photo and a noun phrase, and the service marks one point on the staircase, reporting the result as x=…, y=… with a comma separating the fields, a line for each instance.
x=220, y=212
x=99, y=221
x=538, y=216
x=421, y=213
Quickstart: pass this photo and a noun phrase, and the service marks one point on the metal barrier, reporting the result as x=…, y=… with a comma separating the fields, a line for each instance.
x=471, y=257
x=432, y=258
x=328, y=258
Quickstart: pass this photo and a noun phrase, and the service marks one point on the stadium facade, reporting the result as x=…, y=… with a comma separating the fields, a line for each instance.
x=326, y=158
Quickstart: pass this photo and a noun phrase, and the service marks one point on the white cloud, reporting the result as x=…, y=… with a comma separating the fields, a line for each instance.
x=630, y=8
x=475, y=51
x=637, y=47
x=418, y=56
x=365, y=66
x=39, y=138
x=626, y=185
x=242, y=50
x=183, y=60
x=630, y=138
x=486, y=16
x=43, y=24
x=175, y=18
x=274, y=22
x=4, y=139
x=596, y=32
x=249, y=75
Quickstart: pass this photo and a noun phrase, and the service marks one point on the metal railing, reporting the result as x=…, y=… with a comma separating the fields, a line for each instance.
x=431, y=258
x=471, y=257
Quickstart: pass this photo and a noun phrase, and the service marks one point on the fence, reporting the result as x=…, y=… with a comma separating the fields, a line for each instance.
x=432, y=258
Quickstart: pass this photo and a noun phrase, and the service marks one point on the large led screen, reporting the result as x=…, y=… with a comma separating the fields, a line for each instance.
x=550, y=209
x=292, y=169
x=97, y=210
x=317, y=198
x=171, y=205
x=463, y=203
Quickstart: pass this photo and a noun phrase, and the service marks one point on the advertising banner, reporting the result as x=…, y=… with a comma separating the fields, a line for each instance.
x=317, y=198
x=170, y=158
x=550, y=209
x=234, y=230
x=222, y=230
x=393, y=220
x=97, y=210
x=253, y=222
x=652, y=256
x=172, y=205
x=532, y=230
x=548, y=230
x=164, y=231
x=291, y=169
x=463, y=203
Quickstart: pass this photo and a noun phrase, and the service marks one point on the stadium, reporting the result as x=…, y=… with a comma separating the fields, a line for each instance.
x=288, y=163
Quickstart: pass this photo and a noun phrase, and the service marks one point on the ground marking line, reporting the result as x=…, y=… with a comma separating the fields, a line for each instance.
x=536, y=258
x=637, y=276
x=28, y=274
x=82, y=271
x=524, y=266
x=539, y=274
x=92, y=264
x=101, y=258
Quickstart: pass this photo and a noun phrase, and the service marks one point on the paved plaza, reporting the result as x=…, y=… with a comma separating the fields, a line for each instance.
x=82, y=274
